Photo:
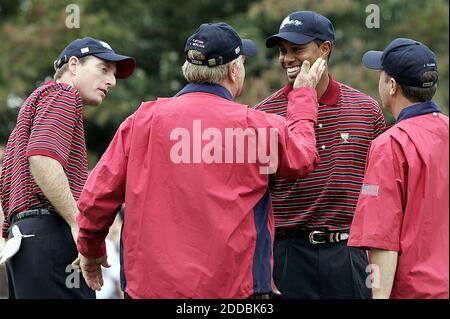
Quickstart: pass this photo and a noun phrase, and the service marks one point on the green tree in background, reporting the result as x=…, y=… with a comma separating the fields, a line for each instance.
x=33, y=33
x=423, y=21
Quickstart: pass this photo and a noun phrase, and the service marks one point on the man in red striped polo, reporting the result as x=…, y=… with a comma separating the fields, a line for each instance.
x=313, y=214
x=44, y=170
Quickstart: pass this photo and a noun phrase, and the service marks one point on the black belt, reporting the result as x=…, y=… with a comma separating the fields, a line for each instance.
x=28, y=214
x=314, y=237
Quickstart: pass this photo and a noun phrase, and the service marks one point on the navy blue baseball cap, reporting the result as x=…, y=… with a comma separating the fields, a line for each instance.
x=219, y=43
x=89, y=46
x=405, y=60
x=302, y=27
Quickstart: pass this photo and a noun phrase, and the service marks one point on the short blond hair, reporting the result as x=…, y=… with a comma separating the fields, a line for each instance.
x=204, y=74
x=60, y=71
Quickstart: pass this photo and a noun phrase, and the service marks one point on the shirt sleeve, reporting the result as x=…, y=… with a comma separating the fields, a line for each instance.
x=4, y=223
x=378, y=218
x=54, y=122
x=296, y=144
x=379, y=124
x=103, y=194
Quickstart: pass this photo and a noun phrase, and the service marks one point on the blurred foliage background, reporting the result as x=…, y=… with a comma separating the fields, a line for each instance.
x=32, y=34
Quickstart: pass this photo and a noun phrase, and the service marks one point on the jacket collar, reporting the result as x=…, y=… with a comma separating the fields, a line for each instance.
x=212, y=88
x=418, y=109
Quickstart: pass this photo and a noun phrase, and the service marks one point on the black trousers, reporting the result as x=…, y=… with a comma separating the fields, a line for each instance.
x=126, y=296
x=42, y=266
x=319, y=271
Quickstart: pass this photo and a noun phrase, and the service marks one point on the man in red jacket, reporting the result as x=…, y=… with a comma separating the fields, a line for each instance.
x=402, y=212
x=193, y=172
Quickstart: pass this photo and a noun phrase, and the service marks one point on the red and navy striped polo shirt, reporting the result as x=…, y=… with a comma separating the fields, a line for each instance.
x=50, y=123
x=325, y=199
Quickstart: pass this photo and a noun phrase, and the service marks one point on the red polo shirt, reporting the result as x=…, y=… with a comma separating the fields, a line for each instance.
x=50, y=123
x=325, y=199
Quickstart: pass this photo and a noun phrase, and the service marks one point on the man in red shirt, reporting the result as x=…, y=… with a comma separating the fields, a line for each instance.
x=402, y=212
x=313, y=213
x=45, y=167
x=193, y=172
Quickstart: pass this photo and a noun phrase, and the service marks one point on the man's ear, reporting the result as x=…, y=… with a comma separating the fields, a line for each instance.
x=73, y=65
x=393, y=86
x=325, y=49
x=233, y=71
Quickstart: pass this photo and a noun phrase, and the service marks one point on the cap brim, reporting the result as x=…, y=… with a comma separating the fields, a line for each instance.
x=293, y=37
x=372, y=60
x=124, y=64
x=249, y=47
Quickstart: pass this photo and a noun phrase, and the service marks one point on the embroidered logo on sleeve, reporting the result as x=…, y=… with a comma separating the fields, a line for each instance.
x=370, y=190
